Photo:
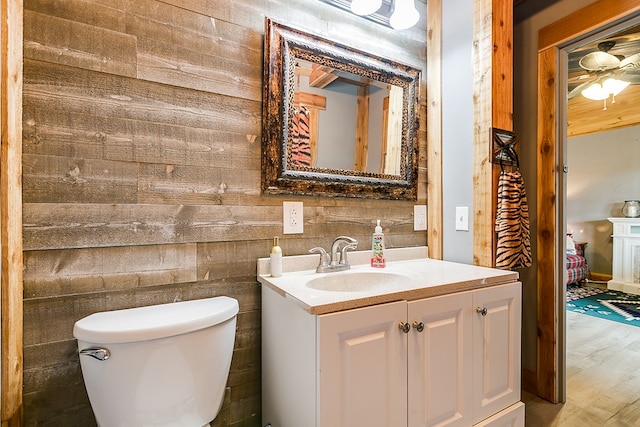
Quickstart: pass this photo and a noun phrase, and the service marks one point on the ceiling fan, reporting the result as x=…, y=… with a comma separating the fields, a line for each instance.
x=601, y=66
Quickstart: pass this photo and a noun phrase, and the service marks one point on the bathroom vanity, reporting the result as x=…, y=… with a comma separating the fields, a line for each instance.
x=421, y=342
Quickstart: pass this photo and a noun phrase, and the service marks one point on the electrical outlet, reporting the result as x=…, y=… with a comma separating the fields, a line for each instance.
x=419, y=217
x=462, y=218
x=292, y=219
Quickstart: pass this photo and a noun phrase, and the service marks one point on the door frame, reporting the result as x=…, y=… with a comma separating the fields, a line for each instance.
x=550, y=308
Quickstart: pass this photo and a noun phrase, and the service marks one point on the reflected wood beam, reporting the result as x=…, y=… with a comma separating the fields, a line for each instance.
x=321, y=76
x=362, y=129
x=310, y=100
x=394, y=132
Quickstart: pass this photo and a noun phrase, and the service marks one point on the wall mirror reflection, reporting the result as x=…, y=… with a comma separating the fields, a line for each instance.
x=337, y=121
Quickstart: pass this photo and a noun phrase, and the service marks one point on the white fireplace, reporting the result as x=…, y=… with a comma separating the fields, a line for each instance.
x=626, y=255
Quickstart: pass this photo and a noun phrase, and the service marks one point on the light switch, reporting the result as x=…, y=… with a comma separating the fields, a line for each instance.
x=462, y=218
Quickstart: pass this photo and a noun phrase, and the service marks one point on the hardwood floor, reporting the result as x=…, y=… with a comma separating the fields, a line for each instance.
x=603, y=377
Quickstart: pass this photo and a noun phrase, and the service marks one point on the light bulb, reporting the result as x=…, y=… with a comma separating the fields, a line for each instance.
x=405, y=14
x=610, y=86
x=365, y=7
x=614, y=86
x=595, y=92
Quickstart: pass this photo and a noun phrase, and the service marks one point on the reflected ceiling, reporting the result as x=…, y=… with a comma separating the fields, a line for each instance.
x=588, y=116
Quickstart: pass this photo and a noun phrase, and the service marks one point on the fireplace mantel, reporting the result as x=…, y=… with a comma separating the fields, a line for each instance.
x=626, y=255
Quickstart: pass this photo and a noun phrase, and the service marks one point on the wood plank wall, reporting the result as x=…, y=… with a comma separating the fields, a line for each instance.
x=141, y=171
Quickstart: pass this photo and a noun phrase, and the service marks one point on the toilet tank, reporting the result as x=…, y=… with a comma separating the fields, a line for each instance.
x=167, y=364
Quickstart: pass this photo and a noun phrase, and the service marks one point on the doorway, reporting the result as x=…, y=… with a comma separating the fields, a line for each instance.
x=601, y=119
x=601, y=14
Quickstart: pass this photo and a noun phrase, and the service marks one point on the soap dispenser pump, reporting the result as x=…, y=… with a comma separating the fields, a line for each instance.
x=377, y=247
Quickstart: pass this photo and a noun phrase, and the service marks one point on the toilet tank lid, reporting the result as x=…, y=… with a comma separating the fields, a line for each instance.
x=155, y=321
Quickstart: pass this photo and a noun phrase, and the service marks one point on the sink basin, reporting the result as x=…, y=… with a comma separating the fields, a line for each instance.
x=361, y=281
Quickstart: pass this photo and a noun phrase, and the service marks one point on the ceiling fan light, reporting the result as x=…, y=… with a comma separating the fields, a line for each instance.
x=595, y=92
x=405, y=14
x=614, y=86
x=365, y=7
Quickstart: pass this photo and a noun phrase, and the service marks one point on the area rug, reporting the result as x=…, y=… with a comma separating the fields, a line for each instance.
x=604, y=303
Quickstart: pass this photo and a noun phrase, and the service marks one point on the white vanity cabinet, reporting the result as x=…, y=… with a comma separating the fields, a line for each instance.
x=457, y=364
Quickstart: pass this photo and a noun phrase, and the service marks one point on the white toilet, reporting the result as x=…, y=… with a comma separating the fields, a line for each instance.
x=162, y=365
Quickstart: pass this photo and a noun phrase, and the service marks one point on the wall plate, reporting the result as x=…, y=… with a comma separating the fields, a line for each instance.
x=462, y=218
x=292, y=218
x=419, y=217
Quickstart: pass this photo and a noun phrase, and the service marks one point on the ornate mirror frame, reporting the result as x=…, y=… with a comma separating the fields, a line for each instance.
x=283, y=47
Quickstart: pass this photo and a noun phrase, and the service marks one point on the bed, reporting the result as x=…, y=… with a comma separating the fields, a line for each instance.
x=577, y=268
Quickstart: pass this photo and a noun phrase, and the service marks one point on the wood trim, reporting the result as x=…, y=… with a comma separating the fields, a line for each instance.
x=546, y=222
x=582, y=21
x=434, y=128
x=570, y=27
x=502, y=67
x=482, y=93
x=11, y=212
x=493, y=107
x=501, y=105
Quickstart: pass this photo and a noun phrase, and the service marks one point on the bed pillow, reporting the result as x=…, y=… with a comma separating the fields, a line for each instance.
x=571, y=246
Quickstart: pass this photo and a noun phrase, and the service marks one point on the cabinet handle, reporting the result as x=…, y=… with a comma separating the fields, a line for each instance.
x=418, y=326
x=404, y=327
x=482, y=310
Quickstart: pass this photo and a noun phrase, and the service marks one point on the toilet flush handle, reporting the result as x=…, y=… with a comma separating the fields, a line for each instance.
x=96, y=352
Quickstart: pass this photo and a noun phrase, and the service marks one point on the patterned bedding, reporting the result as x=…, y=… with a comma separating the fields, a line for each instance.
x=577, y=269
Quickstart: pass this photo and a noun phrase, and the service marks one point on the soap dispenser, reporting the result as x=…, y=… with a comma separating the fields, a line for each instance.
x=275, y=259
x=377, y=247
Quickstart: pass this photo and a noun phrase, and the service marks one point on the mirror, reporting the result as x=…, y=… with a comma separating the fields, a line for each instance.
x=336, y=121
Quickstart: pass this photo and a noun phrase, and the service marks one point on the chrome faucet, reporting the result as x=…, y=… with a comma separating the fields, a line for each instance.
x=338, y=260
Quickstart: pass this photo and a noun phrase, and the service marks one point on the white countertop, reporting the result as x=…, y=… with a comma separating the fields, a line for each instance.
x=425, y=277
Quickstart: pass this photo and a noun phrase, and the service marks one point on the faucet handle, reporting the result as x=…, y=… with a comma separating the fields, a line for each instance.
x=337, y=246
x=324, y=256
x=345, y=248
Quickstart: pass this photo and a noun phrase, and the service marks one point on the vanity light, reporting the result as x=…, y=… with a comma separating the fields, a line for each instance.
x=397, y=14
x=365, y=7
x=405, y=14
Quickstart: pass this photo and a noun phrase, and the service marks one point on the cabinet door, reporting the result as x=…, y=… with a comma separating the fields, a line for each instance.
x=496, y=347
x=363, y=367
x=513, y=416
x=440, y=361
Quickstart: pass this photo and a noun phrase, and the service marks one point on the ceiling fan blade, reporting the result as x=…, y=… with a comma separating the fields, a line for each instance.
x=629, y=70
x=580, y=78
x=632, y=61
x=631, y=75
x=599, y=61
